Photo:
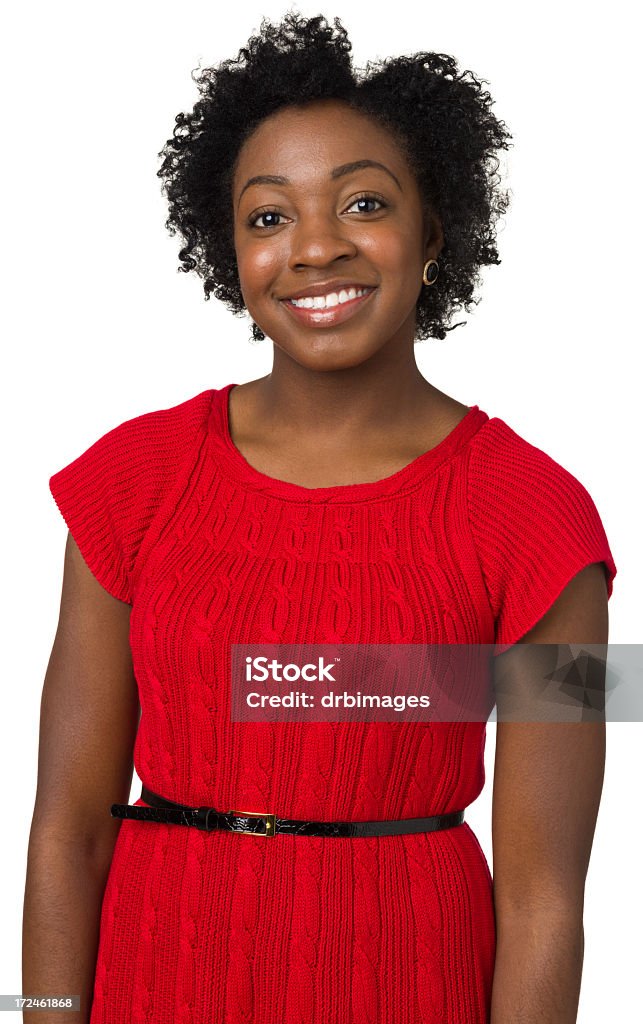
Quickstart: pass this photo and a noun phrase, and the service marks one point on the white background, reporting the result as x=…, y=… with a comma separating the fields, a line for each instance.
x=100, y=326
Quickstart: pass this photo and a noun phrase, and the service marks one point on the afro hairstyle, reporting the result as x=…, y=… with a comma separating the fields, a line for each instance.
x=441, y=119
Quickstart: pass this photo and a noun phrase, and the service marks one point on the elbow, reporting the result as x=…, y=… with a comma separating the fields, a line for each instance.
x=546, y=905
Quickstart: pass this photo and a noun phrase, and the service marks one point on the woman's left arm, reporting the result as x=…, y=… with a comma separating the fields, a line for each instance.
x=548, y=778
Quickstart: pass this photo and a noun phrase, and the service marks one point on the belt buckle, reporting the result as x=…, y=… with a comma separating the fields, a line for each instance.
x=270, y=823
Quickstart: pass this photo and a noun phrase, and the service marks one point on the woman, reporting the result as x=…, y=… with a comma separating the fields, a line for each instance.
x=344, y=499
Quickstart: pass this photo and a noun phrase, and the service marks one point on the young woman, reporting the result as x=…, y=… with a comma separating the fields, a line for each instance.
x=342, y=498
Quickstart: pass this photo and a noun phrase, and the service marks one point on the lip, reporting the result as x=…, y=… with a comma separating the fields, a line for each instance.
x=328, y=317
x=325, y=288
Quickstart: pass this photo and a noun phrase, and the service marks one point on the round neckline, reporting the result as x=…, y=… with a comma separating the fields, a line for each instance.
x=238, y=468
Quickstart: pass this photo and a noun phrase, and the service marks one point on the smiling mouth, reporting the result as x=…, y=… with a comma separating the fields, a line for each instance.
x=328, y=315
x=334, y=297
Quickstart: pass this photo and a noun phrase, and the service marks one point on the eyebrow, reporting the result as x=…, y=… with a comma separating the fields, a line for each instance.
x=337, y=172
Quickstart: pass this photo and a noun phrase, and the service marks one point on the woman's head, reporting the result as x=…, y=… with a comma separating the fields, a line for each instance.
x=292, y=105
x=345, y=213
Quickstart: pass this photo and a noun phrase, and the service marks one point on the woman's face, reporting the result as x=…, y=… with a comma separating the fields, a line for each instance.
x=326, y=227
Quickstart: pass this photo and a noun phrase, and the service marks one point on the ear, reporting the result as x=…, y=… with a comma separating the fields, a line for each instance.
x=433, y=239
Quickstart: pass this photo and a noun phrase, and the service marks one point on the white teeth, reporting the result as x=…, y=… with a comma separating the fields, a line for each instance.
x=328, y=301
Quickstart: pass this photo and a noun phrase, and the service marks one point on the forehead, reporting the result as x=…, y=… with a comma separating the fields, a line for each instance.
x=304, y=141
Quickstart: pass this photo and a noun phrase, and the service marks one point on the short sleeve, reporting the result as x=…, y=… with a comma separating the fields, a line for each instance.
x=534, y=526
x=108, y=495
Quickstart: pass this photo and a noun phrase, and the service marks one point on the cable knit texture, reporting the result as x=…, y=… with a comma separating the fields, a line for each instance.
x=471, y=542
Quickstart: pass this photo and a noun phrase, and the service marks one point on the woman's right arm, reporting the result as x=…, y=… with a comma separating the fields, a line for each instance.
x=88, y=723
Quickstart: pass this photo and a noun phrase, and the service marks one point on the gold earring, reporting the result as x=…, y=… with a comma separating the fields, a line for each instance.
x=434, y=274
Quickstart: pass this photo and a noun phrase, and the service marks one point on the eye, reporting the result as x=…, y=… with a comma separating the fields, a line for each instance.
x=252, y=221
x=368, y=198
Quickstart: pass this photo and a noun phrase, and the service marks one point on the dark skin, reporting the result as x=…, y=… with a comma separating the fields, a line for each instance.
x=345, y=403
x=88, y=722
x=341, y=405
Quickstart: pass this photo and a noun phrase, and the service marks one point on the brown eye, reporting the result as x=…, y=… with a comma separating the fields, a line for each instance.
x=368, y=199
x=263, y=213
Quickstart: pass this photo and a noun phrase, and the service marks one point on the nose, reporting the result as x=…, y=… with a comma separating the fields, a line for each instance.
x=319, y=240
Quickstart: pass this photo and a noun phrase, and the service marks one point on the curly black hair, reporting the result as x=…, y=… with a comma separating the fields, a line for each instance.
x=440, y=118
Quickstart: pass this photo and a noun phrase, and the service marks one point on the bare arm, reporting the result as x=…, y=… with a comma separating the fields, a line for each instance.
x=547, y=786
x=88, y=723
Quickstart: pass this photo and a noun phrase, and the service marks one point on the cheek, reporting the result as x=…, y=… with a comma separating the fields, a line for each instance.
x=395, y=252
x=258, y=261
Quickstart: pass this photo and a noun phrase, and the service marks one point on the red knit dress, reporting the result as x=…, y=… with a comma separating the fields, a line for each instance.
x=471, y=542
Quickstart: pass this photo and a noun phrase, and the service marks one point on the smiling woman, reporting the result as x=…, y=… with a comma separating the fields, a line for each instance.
x=365, y=216
x=430, y=142
x=341, y=499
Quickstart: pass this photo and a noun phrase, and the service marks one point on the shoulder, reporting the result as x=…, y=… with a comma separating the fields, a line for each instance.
x=534, y=525
x=503, y=459
x=510, y=476
x=168, y=425
x=148, y=441
x=109, y=493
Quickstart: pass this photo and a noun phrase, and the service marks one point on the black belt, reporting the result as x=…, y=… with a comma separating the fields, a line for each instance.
x=264, y=824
